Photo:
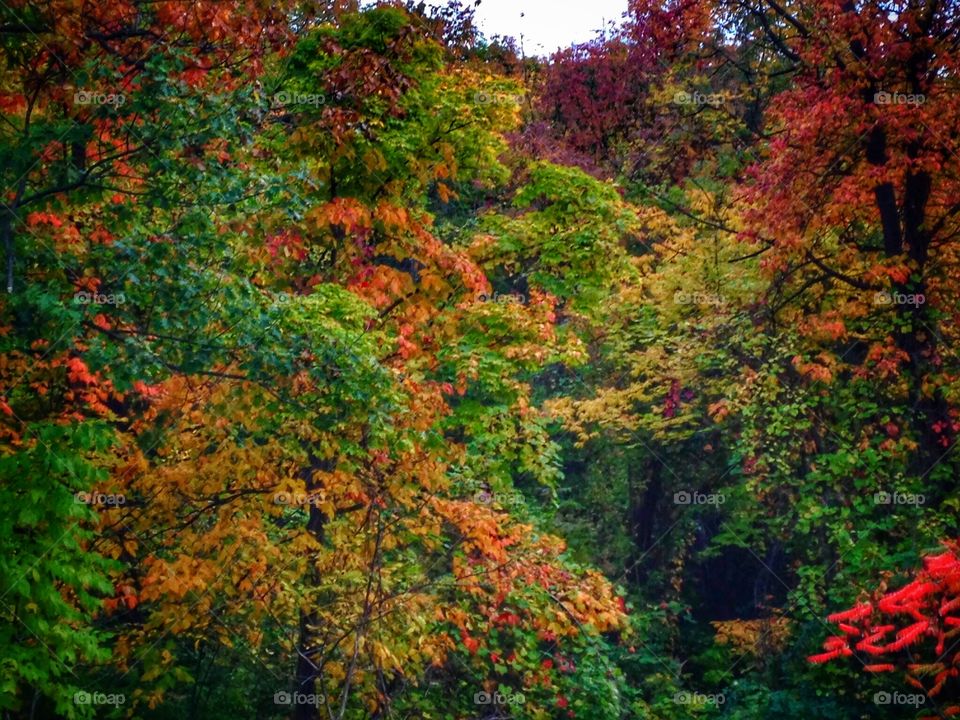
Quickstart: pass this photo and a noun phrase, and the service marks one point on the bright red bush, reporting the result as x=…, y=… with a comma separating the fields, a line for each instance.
x=913, y=629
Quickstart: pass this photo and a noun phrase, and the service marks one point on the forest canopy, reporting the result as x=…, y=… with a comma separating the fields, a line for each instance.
x=355, y=364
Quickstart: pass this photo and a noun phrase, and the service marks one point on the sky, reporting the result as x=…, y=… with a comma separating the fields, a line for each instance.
x=547, y=24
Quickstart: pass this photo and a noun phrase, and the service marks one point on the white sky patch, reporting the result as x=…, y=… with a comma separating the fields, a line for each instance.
x=548, y=24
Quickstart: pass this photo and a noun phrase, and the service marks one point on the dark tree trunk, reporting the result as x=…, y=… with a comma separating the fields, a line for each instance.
x=307, y=672
x=644, y=499
x=6, y=230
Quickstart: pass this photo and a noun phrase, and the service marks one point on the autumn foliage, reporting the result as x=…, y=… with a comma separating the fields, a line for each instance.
x=356, y=365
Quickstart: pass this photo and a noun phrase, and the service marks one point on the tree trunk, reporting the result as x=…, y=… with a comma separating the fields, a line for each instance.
x=6, y=230
x=306, y=671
